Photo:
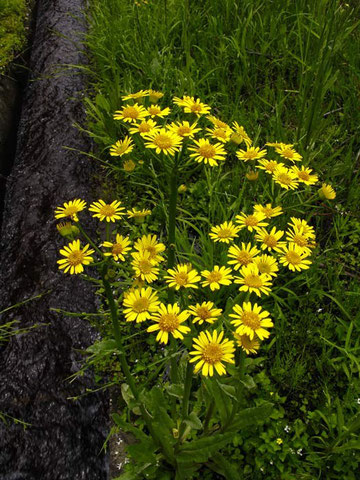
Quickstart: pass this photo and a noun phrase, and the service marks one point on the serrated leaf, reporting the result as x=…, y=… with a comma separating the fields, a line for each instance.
x=199, y=451
x=251, y=416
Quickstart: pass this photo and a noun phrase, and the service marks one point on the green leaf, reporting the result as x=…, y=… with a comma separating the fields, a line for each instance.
x=229, y=390
x=175, y=390
x=198, y=451
x=222, y=401
x=193, y=421
x=251, y=416
x=229, y=470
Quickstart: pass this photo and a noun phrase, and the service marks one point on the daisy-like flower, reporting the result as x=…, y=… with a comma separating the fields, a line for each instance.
x=184, y=129
x=163, y=141
x=289, y=153
x=168, y=320
x=75, y=257
x=304, y=241
x=252, y=222
x=247, y=344
x=122, y=147
x=155, y=111
x=225, y=233
x=270, y=241
x=129, y=166
x=144, y=267
x=131, y=113
x=267, y=264
x=118, y=249
x=154, y=95
x=268, y=210
x=208, y=153
x=139, y=304
x=132, y=96
x=252, y=175
x=70, y=209
x=252, y=153
x=239, y=135
x=295, y=258
x=242, y=256
x=301, y=223
x=67, y=229
x=285, y=178
x=149, y=243
x=252, y=280
x=251, y=320
x=304, y=175
x=210, y=351
x=216, y=277
x=190, y=105
x=279, y=144
x=327, y=192
x=217, y=122
x=221, y=134
x=138, y=214
x=107, y=211
x=182, y=277
x=204, y=312
x=269, y=165
x=144, y=127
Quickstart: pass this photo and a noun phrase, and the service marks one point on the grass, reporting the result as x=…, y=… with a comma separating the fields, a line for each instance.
x=13, y=14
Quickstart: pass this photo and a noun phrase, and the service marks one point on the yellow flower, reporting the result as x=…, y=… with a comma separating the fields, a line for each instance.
x=242, y=256
x=270, y=241
x=118, y=249
x=249, y=345
x=204, y=312
x=182, y=188
x=252, y=153
x=155, y=111
x=216, y=277
x=144, y=267
x=251, y=320
x=144, y=127
x=285, y=178
x=289, y=153
x=268, y=210
x=326, y=191
x=121, y=147
x=184, y=129
x=221, y=134
x=295, y=258
x=107, y=211
x=70, y=209
x=75, y=257
x=226, y=232
x=267, y=264
x=129, y=165
x=148, y=243
x=131, y=113
x=279, y=441
x=304, y=175
x=169, y=319
x=300, y=223
x=164, y=141
x=253, y=281
x=190, y=105
x=269, y=165
x=67, y=229
x=300, y=238
x=210, y=350
x=139, y=304
x=217, y=122
x=138, y=214
x=208, y=153
x=181, y=276
x=279, y=145
x=252, y=175
x=251, y=222
x=154, y=95
x=239, y=135
x=132, y=96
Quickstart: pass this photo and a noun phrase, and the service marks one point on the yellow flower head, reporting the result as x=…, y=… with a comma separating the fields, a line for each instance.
x=267, y=264
x=210, y=350
x=304, y=175
x=269, y=165
x=270, y=241
x=225, y=233
x=75, y=257
x=67, y=229
x=279, y=441
x=326, y=191
x=144, y=267
x=298, y=236
x=279, y=145
x=138, y=214
x=252, y=153
x=239, y=135
x=132, y=96
x=168, y=320
x=268, y=210
x=216, y=277
x=70, y=209
x=190, y=105
x=206, y=152
x=249, y=345
x=118, y=249
x=139, y=304
x=145, y=127
x=131, y=113
x=242, y=256
x=252, y=175
x=184, y=129
x=252, y=280
x=285, y=178
x=217, y=122
x=251, y=320
x=129, y=165
x=182, y=277
x=122, y=147
x=289, y=153
x=252, y=222
x=163, y=141
x=155, y=111
x=307, y=229
x=154, y=95
x=221, y=134
x=295, y=258
x=149, y=243
x=107, y=211
x=204, y=312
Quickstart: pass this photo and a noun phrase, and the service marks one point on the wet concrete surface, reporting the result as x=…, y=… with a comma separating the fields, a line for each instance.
x=65, y=437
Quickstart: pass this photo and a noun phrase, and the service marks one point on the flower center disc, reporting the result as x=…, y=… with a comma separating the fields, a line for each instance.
x=253, y=280
x=270, y=241
x=212, y=353
x=287, y=153
x=304, y=176
x=214, y=277
x=181, y=278
x=117, y=249
x=300, y=240
x=224, y=233
x=251, y=221
x=271, y=166
x=251, y=319
x=141, y=305
x=163, y=141
x=183, y=130
x=130, y=112
x=144, y=127
x=293, y=257
x=145, y=266
x=154, y=110
x=76, y=257
x=195, y=107
x=203, y=313
x=107, y=210
x=264, y=267
x=284, y=178
x=244, y=258
x=207, y=151
x=168, y=322
x=71, y=210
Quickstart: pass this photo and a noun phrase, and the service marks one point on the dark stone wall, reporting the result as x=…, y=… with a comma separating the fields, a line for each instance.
x=65, y=437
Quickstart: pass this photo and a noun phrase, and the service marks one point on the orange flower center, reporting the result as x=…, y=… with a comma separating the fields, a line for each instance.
x=214, y=277
x=76, y=257
x=264, y=267
x=244, y=258
x=169, y=322
x=251, y=155
x=212, y=353
x=268, y=212
x=181, y=278
x=220, y=132
x=253, y=281
x=251, y=221
x=144, y=127
x=117, y=249
x=130, y=112
x=196, y=107
x=300, y=240
x=271, y=166
x=225, y=233
x=288, y=153
x=154, y=110
x=251, y=319
x=71, y=210
x=203, y=313
x=145, y=266
x=183, y=130
x=107, y=210
x=163, y=142
x=284, y=178
x=303, y=175
x=207, y=151
x=270, y=241
x=293, y=257
x=141, y=305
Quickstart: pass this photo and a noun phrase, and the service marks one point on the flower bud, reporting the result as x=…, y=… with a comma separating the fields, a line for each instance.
x=252, y=175
x=182, y=188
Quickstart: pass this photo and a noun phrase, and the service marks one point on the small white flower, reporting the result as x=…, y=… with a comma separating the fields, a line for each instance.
x=271, y=462
x=358, y=401
x=320, y=310
x=299, y=452
x=119, y=465
x=287, y=428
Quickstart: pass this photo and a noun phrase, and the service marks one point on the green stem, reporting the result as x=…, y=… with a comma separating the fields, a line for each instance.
x=88, y=239
x=187, y=390
x=208, y=416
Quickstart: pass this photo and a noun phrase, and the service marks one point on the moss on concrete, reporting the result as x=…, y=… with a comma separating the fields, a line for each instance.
x=13, y=15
